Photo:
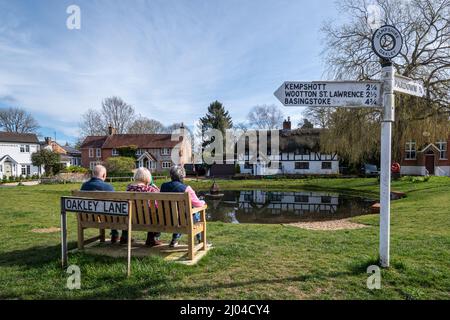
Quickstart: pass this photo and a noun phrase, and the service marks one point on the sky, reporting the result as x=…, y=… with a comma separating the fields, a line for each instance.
x=168, y=58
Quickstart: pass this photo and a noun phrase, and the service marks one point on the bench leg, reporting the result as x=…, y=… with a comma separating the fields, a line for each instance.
x=80, y=236
x=205, y=244
x=191, y=245
x=102, y=235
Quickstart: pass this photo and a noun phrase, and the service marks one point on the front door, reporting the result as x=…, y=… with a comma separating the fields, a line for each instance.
x=8, y=169
x=429, y=163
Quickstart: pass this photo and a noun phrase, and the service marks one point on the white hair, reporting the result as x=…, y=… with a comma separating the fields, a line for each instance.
x=98, y=171
x=177, y=173
x=143, y=175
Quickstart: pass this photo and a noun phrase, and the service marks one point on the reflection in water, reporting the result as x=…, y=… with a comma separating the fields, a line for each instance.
x=267, y=207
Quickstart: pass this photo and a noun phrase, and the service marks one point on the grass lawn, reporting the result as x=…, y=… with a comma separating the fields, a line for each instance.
x=248, y=261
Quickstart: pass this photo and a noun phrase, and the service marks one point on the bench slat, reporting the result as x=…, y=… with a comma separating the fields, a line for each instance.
x=167, y=214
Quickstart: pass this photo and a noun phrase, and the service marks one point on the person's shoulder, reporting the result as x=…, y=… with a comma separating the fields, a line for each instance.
x=106, y=186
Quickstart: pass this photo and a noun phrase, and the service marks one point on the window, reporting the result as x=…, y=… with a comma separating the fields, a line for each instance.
x=92, y=164
x=442, y=145
x=410, y=151
x=115, y=153
x=22, y=148
x=248, y=166
x=326, y=199
x=152, y=165
x=326, y=165
x=165, y=152
x=302, y=166
x=91, y=153
x=98, y=153
x=1, y=168
x=139, y=152
x=26, y=170
x=302, y=199
x=166, y=165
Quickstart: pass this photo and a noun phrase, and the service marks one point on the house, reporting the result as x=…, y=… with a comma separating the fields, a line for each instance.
x=69, y=156
x=15, y=154
x=429, y=159
x=299, y=154
x=156, y=152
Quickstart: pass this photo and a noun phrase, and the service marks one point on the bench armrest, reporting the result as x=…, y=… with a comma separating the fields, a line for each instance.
x=195, y=210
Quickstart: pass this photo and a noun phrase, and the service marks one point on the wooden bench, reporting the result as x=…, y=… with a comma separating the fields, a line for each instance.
x=173, y=213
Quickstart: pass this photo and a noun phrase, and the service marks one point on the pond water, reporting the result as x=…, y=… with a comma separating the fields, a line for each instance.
x=268, y=207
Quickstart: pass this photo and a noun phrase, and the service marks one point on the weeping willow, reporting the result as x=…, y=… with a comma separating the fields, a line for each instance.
x=355, y=134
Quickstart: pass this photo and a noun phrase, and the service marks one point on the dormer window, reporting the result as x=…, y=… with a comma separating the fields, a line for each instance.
x=115, y=153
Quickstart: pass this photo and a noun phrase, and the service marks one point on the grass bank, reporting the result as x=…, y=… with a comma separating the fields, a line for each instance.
x=249, y=261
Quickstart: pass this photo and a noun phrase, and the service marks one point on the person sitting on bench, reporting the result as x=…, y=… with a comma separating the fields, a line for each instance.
x=177, y=174
x=97, y=183
x=143, y=182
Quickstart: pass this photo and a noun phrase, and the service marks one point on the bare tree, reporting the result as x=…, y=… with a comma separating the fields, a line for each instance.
x=114, y=112
x=143, y=125
x=320, y=117
x=118, y=114
x=265, y=117
x=93, y=124
x=425, y=26
x=17, y=120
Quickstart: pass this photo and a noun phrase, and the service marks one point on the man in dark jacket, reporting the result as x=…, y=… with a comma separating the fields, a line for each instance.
x=97, y=183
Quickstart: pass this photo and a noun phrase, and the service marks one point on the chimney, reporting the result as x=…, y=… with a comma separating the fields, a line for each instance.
x=111, y=130
x=287, y=124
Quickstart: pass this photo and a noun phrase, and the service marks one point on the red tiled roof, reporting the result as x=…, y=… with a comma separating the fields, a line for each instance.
x=142, y=141
x=93, y=142
x=18, y=137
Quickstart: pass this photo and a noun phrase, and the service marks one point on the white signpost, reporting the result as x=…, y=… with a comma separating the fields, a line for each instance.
x=387, y=43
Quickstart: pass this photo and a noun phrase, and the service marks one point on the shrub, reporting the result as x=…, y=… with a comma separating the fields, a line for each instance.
x=128, y=151
x=116, y=165
x=75, y=169
x=49, y=159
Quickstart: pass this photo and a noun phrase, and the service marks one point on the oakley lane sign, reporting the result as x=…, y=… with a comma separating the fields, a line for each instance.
x=330, y=94
x=114, y=208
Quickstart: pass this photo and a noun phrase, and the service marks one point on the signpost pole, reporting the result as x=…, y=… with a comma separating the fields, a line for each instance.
x=63, y=235
x=386, y=155
x=129, y=240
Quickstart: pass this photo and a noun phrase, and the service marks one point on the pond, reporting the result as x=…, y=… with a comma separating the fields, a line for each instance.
x=270, y=207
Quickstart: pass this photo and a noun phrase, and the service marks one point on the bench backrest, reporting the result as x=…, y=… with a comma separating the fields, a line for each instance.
x=170, y=212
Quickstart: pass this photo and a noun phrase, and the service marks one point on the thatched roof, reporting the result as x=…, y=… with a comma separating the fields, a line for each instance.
x=300, y=140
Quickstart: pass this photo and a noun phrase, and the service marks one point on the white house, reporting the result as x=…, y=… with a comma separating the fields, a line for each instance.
x=15, y=154
x=299, y=154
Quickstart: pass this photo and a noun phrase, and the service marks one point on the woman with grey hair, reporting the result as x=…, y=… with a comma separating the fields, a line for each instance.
x=177, y=175
x=143, y=182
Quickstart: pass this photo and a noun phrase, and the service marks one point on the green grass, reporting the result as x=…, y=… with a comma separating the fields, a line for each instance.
x=248, y=261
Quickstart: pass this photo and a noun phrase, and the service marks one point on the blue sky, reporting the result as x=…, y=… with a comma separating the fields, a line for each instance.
x=167, y=58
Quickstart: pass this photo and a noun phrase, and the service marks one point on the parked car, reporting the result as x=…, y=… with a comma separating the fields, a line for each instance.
x=370, y=170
